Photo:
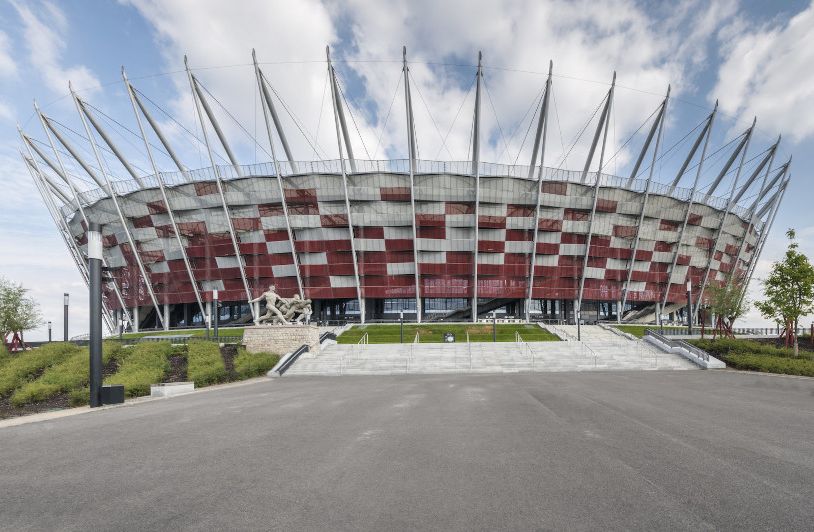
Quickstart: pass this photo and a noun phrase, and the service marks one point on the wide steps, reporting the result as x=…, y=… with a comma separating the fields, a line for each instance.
x=600, y=350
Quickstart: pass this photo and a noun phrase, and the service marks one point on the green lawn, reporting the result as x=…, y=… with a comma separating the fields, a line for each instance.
x=638, y=330
x=754, y=356
x=223, y=331
x=434, y=333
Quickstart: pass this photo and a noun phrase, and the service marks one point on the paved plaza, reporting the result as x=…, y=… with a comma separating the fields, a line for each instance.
x=592, y=450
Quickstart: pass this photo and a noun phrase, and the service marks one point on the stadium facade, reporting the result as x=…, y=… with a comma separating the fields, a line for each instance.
x=368, y=240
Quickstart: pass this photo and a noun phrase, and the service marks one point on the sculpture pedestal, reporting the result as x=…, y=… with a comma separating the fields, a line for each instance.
x=280, y=339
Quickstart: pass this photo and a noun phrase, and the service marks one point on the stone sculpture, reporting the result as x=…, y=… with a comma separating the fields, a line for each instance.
x=283, y=311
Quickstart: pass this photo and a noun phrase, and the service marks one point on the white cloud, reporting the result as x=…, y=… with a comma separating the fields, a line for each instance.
x=6, y=113
x=585, y=40
x=767, y=72
x=8, y=67
x=44, y=28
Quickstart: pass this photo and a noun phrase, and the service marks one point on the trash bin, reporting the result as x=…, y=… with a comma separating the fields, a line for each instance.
x=449, y=337
x=112, y=394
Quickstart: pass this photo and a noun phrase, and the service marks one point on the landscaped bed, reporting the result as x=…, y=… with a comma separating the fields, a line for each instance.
x=56, y=375
x=757, y=356
x=638, y=330
x=434, y=333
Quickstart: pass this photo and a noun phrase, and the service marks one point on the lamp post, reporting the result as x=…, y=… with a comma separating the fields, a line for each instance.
x=494, y=326
x=122, y=324
x=65, y=298
x=215, y=311
x=95, y=274
x=689, y=307
x=401, y=326
x=579, y=325
x=49, y=332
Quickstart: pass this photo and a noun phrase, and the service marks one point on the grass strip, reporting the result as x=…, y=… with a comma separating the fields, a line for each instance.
x=434, y=333
x=141, y=366
x=248, y=365
x=19, y=369
x=66, y=376
x=204, y=364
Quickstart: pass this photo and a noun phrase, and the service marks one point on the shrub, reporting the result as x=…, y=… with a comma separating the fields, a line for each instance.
x=788, y=366
x=204, y=364
x=249, y=365
x=726, y=346
x=71, y=373
x=22, y=367
x=141, y=366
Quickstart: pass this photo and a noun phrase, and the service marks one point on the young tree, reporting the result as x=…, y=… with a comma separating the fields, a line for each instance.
x=789, y=291
x=18, y=312
x=726, y=303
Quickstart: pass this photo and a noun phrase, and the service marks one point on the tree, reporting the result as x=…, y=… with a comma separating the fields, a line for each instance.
x=726, y=303
x=18, y=311
x=789, y=291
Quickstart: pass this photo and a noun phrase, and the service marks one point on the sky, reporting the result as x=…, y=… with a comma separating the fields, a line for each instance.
x=756, y=58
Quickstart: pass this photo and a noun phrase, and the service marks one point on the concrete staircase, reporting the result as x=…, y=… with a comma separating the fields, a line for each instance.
x=600, y=350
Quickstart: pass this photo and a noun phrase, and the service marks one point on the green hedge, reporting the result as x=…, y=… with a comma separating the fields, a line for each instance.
x=725, y=346
x=70, y=374
x=788, y=366
x=141, y=366
x=204, y=364
x=22, y=367
x=757, y=356
x=249, y=365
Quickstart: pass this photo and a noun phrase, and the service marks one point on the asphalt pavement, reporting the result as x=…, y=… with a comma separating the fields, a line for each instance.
x=576, y=451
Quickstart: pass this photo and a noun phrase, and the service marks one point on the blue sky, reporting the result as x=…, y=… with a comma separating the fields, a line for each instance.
x=756, y=57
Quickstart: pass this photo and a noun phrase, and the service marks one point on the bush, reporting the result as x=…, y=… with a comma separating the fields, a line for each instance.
x=204, y=364
x=726, y=346
x=22, y=367
x=141, y=366
x=788, y=366
x=65, y=376
x=249, y=365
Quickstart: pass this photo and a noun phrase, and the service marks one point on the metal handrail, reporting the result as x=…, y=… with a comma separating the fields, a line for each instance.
x=700, y=353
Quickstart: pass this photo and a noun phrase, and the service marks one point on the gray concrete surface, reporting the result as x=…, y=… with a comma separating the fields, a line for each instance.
x=616, y=450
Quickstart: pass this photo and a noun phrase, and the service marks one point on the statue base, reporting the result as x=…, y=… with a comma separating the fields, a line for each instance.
x=280, y=339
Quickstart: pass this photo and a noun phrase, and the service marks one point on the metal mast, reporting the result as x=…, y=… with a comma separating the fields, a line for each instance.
x=411, y=143
x=658, y=124
x=164, y=195
x=339, y=122
x=268, y=105
x=705, y=134
x=340, y=113
x=539, y=143
x=730, y=204
x=198, y=99
x=265, y=97
x=603, y=121
x=114, y=196
x=476, y=175
x=60, y=171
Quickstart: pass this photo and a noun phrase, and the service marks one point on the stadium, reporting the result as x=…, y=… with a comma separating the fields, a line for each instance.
x=370, y=240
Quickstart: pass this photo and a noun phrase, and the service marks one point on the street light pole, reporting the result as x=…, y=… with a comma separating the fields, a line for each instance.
x=494, y=326
x=689, y=307
x=49, y=332
x=95, y=274
x=216, y=311
x=65, y=298
x=401, y=325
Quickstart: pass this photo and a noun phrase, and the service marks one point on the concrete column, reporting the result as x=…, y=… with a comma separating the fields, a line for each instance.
x=136, y=319
x=166, y=316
